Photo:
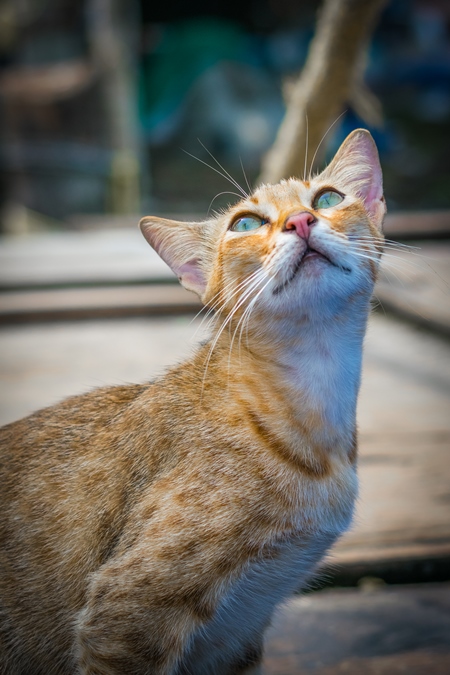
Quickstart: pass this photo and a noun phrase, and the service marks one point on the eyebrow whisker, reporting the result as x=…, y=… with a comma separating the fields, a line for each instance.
x=223, y=168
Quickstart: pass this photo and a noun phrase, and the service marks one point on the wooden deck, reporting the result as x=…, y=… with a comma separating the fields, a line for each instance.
x=416, y=285
x=383, y=631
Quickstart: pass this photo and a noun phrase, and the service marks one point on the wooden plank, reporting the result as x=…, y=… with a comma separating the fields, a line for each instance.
x=64, y=259
x=405, y=510
x=388, y=631
x=84, y=303
x=417, y=224
x=416, y=285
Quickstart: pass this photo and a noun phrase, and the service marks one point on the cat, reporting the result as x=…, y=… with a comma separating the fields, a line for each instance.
x=154, y=528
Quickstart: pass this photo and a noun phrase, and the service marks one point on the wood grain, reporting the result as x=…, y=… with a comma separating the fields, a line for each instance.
x=390, y=631
x=85, y=303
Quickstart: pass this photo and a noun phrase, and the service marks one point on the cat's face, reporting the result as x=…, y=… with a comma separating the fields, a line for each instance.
x=297, y=245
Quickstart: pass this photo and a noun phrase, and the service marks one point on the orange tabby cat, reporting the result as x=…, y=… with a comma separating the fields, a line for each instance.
x=154, y=528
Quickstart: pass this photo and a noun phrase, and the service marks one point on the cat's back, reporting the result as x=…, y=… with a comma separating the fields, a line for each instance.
x=69, y=475
x=48, y=449
x=79, y=450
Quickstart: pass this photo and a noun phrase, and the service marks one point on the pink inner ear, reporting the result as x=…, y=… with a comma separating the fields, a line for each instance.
x=373, y=199
x=373, y=192
x=192, y=276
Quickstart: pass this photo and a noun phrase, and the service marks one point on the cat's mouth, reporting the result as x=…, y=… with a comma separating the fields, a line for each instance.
x=309, y=253
x=312, y=253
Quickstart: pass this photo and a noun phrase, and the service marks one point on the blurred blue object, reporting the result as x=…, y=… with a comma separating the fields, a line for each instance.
x=204, y=79
x=181, y=52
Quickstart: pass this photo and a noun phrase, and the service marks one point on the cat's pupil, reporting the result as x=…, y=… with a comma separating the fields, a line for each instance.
x=327, y=199
x=247, y=223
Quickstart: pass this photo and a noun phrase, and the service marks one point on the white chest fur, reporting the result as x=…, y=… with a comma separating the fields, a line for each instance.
x=247, y=607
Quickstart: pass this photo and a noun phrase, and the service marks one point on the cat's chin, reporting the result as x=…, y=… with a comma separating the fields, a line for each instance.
x=315, y=263
x=315, y=254
x=312, y=263
x=311, y=255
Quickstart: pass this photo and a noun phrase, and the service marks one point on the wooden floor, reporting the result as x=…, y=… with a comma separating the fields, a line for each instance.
x=415, y=284
x=383, y=631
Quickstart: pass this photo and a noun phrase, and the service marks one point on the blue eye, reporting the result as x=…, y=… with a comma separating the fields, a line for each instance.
x=327, y=199
x=246, y=224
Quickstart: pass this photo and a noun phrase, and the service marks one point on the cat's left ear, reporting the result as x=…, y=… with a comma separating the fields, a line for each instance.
x=180, y=245
x=356, y=169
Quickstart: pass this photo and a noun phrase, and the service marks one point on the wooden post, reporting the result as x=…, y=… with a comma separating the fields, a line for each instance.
x=326, y=84
x=112, y=49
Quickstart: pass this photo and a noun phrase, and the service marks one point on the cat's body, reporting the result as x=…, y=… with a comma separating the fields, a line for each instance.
x=154, y=528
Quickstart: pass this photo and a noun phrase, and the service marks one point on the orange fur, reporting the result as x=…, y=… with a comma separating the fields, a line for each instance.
x=154, y=528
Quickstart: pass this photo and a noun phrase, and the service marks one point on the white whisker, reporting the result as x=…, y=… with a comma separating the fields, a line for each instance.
x=215, y=307
x=244, y=320
x=321, y=141
x=393, y=264
x=223, y=169
x=219, y=172
x=254, y=282
x=306, y=146
x=245, y=176
x=225, y=192
x=390, y=244
x=259, y=280
x=389, y=258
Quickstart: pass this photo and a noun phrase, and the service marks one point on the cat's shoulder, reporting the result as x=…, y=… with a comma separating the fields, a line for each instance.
x=69, y=422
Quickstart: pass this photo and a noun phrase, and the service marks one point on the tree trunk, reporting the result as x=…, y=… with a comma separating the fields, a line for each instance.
x=326, y=84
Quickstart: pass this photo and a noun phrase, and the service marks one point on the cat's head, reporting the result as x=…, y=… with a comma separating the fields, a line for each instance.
x=299, y=244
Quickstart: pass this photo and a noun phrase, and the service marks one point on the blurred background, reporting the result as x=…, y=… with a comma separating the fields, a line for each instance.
x=111, y=109
x=100, y=98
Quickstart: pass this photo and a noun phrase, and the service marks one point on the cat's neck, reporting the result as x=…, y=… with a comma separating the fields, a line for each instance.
x=323, y=368
x=315, y=363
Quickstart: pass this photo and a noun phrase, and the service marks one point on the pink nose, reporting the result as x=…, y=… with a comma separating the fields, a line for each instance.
x=301, y=223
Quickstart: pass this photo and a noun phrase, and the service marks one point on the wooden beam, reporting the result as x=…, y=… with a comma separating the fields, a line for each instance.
x=417, y=225
x=88, y=303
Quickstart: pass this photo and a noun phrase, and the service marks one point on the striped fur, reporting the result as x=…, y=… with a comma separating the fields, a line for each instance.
x=154, y=528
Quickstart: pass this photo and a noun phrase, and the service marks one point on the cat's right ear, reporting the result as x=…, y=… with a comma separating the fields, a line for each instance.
x=180, y=245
